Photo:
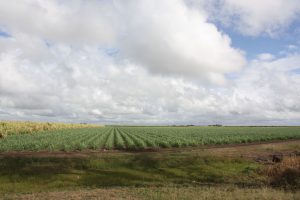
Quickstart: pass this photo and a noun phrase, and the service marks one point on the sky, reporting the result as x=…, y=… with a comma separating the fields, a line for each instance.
x=233, y=62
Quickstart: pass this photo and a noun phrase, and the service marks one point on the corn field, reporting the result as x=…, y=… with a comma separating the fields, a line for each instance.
x=13, y=127
x=123, y=138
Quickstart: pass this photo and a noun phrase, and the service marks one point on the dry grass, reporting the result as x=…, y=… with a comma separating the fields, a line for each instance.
x=285, y=173
x=164, y=193
x=218, y=193
x=16, y=127
x=103, y=194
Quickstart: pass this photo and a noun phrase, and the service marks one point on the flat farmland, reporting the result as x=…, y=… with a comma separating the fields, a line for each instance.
x=135, y=162
x=139, y=138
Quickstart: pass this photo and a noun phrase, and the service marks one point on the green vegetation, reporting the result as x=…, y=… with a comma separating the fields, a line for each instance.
x=152, y=171
x=142, y=137
x=212, y=173
x=119, y=170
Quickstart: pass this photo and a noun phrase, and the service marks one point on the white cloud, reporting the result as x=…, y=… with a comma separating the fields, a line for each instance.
x=56, y=67
x=166, y=37
x=265, y=56
x=73, y=22
x=270, y=89
x=169, y=38
x=89, y=87
x=292, y=47
x=256, y=17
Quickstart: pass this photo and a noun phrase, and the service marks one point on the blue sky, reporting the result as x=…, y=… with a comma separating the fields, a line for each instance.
x=4, y=34
x=255, y=45
x=151, y=62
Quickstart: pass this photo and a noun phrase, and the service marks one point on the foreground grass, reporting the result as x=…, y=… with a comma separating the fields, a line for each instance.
x=136, y=170
x=218, y=173
x=165, y=193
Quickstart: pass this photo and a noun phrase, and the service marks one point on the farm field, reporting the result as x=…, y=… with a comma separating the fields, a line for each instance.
x=138, y=138
x=126, y=162
x=149, y=100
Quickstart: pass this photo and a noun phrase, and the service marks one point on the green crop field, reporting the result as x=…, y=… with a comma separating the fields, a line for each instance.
x=142, y=137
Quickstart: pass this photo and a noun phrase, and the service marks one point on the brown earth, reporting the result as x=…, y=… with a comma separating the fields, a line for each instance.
x=260, y=151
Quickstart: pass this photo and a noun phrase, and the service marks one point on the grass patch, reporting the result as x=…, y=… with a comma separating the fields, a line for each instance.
x=139, y=169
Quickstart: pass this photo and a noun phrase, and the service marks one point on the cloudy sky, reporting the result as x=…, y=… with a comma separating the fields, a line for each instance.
x=150, y=61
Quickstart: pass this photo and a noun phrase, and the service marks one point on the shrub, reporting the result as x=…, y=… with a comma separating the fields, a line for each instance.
x=285, y=173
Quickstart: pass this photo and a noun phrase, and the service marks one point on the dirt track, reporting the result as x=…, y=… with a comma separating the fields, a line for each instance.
x=242, y=149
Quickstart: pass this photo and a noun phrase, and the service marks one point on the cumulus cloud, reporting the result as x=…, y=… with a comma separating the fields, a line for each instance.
x=169, y=38
x=67, y=22
x=137, y=62
x=270, y=89
x=91, y=88
x=166, y=37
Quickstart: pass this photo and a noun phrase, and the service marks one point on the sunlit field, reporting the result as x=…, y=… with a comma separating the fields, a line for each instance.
x=20, y=127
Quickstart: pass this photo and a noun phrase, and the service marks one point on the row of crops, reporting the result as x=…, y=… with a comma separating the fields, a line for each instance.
x=142, y=137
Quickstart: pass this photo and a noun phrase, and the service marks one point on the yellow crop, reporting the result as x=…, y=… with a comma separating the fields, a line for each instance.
x=18, y=127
